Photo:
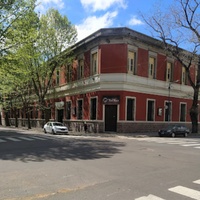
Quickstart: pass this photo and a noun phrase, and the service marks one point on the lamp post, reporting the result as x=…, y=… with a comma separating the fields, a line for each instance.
x=169, y=104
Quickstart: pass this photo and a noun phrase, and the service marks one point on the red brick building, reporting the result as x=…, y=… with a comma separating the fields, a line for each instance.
x=121, y=81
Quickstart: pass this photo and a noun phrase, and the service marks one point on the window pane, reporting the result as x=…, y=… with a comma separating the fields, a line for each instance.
x=80, y=109
x=150, y=111
x=130, y=109
x=93, y=108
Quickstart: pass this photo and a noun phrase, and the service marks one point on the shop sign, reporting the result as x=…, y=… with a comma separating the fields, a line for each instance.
x=111, y=100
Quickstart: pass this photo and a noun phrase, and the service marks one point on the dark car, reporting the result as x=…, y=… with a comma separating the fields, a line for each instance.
x=174, y=131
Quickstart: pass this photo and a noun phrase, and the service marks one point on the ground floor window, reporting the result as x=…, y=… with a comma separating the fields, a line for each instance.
x=168, y=109
x=130, y=109
x=182, y=112
x=68, y=110
x=93, y=108
x=80, y=109
x=150, y=110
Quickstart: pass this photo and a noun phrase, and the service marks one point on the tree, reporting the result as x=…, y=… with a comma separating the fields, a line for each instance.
x=179, y=27
x=14, y=73
x=11, y=11
x=55, y=36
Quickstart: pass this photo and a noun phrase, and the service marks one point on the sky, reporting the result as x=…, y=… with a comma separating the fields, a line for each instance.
x=89, y=16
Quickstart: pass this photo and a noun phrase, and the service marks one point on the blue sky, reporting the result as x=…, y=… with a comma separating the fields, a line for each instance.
x=90, y=15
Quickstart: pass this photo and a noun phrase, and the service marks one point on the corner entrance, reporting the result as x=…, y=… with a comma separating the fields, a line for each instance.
x=111, y=118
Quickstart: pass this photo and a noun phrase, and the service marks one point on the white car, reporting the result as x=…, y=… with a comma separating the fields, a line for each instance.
x=55, y=127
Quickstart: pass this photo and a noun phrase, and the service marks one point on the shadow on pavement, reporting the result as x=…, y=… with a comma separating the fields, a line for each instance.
x=56, y=148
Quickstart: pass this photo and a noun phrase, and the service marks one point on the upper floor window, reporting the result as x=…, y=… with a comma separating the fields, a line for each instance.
x=68, y=73
x=94, y=62
x=183, y=76
x=80, y=68
x=57, y=76
x=169, y=72
x=152, y=67
x=132, y=62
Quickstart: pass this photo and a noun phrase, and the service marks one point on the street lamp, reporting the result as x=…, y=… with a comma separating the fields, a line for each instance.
x=169, y=104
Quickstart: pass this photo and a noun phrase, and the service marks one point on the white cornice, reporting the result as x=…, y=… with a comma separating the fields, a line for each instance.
x=123, y=82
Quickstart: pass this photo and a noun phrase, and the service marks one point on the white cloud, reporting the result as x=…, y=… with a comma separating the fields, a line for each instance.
x=134, y=21
x=44, y=5
x=93, y=23
x=96, y=5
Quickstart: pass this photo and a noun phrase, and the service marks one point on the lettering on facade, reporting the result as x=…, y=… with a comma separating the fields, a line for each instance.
x=111, y=100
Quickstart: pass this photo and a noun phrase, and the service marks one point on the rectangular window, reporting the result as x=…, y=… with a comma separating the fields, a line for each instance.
x=80, y=68
x=93, y=108
x=169, y=72
x=80, y=109
x=132, y=62
x=168, y=111
x=68, y=109
x=130, y=107
x=57, y=77
x=150, y=110
x=68, y=73
x=182, y=112
x=184, y=76
x=152, y=67
x=94, y=64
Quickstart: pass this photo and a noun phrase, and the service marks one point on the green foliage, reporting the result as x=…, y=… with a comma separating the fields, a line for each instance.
x=32, y=48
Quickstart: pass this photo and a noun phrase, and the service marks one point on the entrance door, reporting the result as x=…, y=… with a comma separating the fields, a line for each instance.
x=111, y=118
x=60, y=115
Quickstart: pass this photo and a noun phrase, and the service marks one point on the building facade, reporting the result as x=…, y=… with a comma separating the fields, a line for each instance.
x=120, y=81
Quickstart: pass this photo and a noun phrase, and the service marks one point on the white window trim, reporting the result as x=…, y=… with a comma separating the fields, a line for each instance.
x=93, y=51
x=134, y=114
x=147, y=109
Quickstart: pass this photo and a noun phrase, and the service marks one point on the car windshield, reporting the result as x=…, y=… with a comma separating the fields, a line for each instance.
x=57, y=124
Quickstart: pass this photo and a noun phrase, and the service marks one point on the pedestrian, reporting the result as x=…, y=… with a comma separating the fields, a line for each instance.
x=85, y=127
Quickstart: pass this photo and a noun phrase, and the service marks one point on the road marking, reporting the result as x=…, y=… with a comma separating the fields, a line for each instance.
x=26, y=138
x=2, y=140
x=197, y=181
x=197, y=147
x=193, y=194
x=38, y=138
x=190, y=145
x=149, y=197
x=13, y=139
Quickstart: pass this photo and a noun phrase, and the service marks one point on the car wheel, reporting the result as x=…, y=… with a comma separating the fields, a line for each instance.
x=185, y=134
x=173, y=135
x=45, y=130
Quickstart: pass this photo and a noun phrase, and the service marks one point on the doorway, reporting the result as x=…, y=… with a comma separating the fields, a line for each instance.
x=111, y=118
x=60, y=115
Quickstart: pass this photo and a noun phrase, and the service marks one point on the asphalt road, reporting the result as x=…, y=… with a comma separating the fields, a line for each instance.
x=36, y=166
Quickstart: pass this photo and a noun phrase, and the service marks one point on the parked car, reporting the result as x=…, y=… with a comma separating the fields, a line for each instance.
x=174, y=131
x=55, y=128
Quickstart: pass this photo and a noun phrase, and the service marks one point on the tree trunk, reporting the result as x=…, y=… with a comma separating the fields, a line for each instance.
x=194, y=119
x=194, y=111
x=16, y=118
x=29, y=121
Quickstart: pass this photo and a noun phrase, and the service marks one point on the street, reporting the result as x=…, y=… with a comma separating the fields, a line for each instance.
x=38, y=166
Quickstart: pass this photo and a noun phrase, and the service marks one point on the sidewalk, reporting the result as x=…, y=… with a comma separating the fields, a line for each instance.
x=107, y=134
x=111, y=134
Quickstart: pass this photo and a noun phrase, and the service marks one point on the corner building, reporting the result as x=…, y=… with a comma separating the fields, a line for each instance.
x=121, y=81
